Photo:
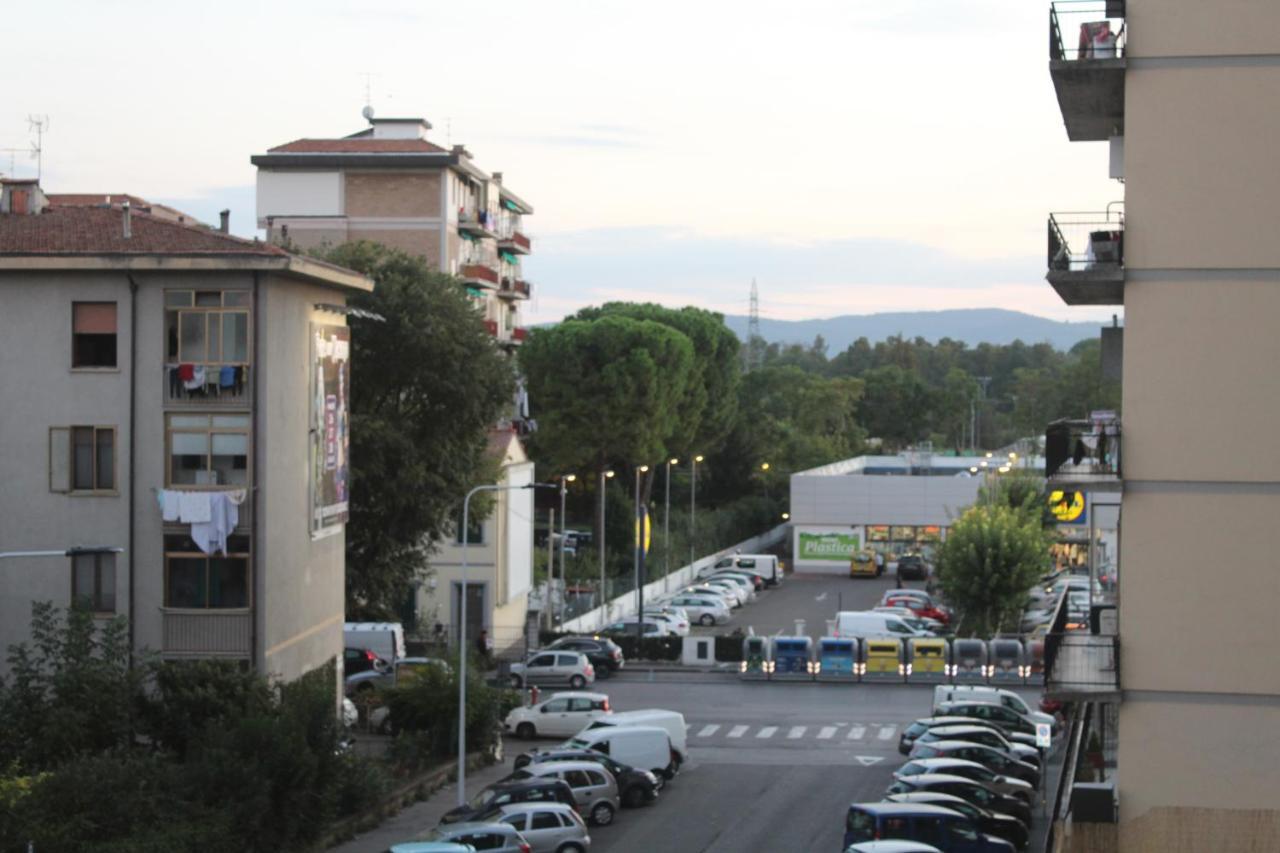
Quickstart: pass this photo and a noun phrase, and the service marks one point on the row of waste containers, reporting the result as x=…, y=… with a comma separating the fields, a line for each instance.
x=916, y=660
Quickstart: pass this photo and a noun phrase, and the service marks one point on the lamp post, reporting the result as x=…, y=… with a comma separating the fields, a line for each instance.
x=462, y=630
x=666, y=523
x=564, y=589
x=639, y=546
x=693, y=507
x=73, y=551
x=604, y=477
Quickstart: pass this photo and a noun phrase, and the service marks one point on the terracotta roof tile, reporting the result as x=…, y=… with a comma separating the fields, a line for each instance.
x=100, y=231
x=358, y=146
x=163, y=211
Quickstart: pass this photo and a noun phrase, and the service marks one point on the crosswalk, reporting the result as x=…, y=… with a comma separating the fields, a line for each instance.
x=865, y=732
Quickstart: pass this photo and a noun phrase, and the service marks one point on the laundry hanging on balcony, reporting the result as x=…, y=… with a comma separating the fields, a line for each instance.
x=211, y=514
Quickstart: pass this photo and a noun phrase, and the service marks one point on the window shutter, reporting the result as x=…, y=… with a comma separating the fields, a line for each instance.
x=59, y=459
x=94, y=318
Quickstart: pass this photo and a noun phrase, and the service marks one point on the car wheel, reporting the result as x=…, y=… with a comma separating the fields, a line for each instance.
x=516, y=682
x=602, y=814
x=526, y=731
x=577, y=682
x=706, y=619
x=633, y=797
x=570, y=848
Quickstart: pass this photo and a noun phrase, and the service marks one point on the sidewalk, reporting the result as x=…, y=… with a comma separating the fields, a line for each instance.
x=422, y=816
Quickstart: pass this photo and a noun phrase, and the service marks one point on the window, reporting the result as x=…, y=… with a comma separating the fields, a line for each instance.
x=516, y=820
x=475, y=529
x=555, y=706
x=208, y=450
x=928, y=830
x=197, y=580
x=93, y=334
x=567, y=660
x=577, y=779
x=543, y=660
x=93, y=582
x=82, y=459
x=544, y=820
x=895, y=827
x=207, y=326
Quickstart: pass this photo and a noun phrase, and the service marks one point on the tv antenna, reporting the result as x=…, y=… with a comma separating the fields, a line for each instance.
x=38, y=125
x=754, y=341
x=367, y=112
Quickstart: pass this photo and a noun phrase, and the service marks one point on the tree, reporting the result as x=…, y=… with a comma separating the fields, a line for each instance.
x=992, y=555
x=426, y=386
x=897, y=406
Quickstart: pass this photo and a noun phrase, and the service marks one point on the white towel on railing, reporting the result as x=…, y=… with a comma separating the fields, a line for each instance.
x=224, y=515
x=193, y=507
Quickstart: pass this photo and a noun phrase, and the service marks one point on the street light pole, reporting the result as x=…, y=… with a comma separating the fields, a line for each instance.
x=462, y=630
x=639, y=545
x=604, y=475
x=73, y=551
x=666, y=523
x=564, y=589
x=693, y=507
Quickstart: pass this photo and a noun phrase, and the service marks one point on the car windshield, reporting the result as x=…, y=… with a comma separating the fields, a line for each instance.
x=483, y=800
x=860, y=826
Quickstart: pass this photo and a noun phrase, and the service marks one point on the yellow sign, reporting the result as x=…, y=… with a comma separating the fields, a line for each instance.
x=1066, y=506
x=648, y=529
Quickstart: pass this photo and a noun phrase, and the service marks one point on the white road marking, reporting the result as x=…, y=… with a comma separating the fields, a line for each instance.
x=708, y=731
x=868, y=760
x=856, y=732
x=886, y=732
x=796, y=732
x=767, y=731
x=826, y=733
x=822, y=597
x=738, y=731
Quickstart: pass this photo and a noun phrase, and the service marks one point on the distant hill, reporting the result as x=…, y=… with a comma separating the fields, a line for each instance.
x=973, y=326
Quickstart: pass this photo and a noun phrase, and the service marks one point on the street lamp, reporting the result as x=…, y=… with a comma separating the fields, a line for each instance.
x=693, y=506
x=604, y=475
x=666, y=522
x=635, y=556
x=786, y=516
x=462, y=630
x=564, y=589
x=764, y=466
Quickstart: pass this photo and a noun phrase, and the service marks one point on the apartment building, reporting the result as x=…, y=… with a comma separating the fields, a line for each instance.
x=391, y=184
x=1182, y=93
x=174, y=405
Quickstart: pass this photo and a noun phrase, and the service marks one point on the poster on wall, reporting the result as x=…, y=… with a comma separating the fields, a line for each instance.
x=1068, y=507
x=330, y=436
x=829, y=546
x=878, y=533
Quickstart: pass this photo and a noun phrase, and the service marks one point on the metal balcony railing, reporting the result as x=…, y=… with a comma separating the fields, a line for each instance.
x=1077, y=662
x=210, y=383
x=1083, y=450
x=1087, y=29
x=479, y=272
x=207, y=633
x=1086, y=242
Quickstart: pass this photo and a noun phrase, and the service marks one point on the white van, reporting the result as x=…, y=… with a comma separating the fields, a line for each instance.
x=384, y=639
x=765, y=565
x=869, y=623
x=672, y=722
x=645, y=747
x=996, y=695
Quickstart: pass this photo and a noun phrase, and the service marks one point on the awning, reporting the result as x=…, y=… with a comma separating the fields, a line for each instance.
x=478, y=294
x=510, y=205
x=350, y=311
x=509, y=258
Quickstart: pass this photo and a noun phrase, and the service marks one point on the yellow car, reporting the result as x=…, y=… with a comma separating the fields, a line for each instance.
x=864, y=564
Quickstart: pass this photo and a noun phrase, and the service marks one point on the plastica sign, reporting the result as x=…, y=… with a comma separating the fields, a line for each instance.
x=829, y=546
x=1068, y=507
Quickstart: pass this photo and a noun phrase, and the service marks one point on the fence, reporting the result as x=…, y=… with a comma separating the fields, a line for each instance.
x=1087, y=29
x=1085, y=242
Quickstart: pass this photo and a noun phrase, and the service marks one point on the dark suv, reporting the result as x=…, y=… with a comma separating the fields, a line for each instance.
x=635, y=787
x=604, y=654
x=505, y=793
x=912, y=567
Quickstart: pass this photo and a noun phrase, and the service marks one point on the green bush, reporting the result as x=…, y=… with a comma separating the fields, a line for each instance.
x=429, y=704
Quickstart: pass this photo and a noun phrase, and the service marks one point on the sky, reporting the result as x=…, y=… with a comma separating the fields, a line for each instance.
x=849, y=156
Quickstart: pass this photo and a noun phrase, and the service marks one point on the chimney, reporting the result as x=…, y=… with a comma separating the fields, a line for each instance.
x=128, y=219
x=21, y=196
x=224, y=221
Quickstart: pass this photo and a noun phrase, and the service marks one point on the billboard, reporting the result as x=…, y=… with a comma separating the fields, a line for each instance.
x=1069, y=507
x=330, y=434
x=828, y=546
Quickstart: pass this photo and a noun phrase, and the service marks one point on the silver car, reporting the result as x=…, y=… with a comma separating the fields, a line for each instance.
x=594, y=788
x=969, y=770
x=547, y=827
x=495, y=836
x=551, y=668
x=703, y=609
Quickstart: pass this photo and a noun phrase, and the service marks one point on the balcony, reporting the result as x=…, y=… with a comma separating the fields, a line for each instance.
x=1087, y=41
x=207, y=633
x=1084, y=455
x=1080, y=665
x=514, y=288
x=480, y=275
x=516, y=243
x=491, y=326
x=1086, y=257
x=477, y=224
x=222, y=385
x=519, y=335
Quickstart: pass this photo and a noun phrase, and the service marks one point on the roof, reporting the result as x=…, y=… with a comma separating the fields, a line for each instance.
x=358, y=146
x=60, y=238
x=163, y=211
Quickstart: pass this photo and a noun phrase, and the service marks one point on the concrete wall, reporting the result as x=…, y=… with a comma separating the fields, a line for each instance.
x=420, y=240
x=1170, y=28
x=388, y=194
x=297, y=193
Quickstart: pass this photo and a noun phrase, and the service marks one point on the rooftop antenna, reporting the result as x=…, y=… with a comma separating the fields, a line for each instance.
x=38, y=125
x=367, y=112
x=754, y=341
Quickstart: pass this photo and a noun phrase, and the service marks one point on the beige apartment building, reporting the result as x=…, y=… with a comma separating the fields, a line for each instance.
x=391, y=184
x=175, y=401
x=1184, y=93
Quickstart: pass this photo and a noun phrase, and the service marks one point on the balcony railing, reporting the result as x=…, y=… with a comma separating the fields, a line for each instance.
x=208, y=633
x=514, y=288
x=1086, y=241
x=479, y=223
x=491, y=326
x=515, y=242
x=519, y=334
x=1085, y=453
x=479, y=274
x=1081, y=664
x=209, y=383
x=1086, y=29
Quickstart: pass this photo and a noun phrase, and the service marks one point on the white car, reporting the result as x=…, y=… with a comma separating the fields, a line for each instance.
x=678, y=627
x=745, y=581
x=730, y=600
x=704, y=609
x=677, y=614
x=738, y=594
x=652, y=627
x=560, y=715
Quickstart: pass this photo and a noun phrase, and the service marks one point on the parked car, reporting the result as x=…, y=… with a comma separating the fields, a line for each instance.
x=990, y=757
x=397, y=674
x=675, y=625
x=704, y=609
x=547, y=827
x=742, y=581
x=605, y=656
x=729, y=597
x=356, y=660
x=969, y=770
x=675, y=615
x=559, y=715
x=947, y=830
x=652, y=628
x=503, y=793
x=766, y=565
x=571, y=668
x=635, y=787
x=891, y=847
x=992, y=823
x=980, y=734
x=648, y=747
x=966, y=789
x=921, y=594
x=384, y=639
x=869, y=623
x=756, y=581
x=920, y=607
x=672, y=722
x=912, y=618
x=992, y=712
x=497, y=837
x=431, y=847
x=732, y=589
x=912, y=567
x=960, y=692
x=595, y=792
